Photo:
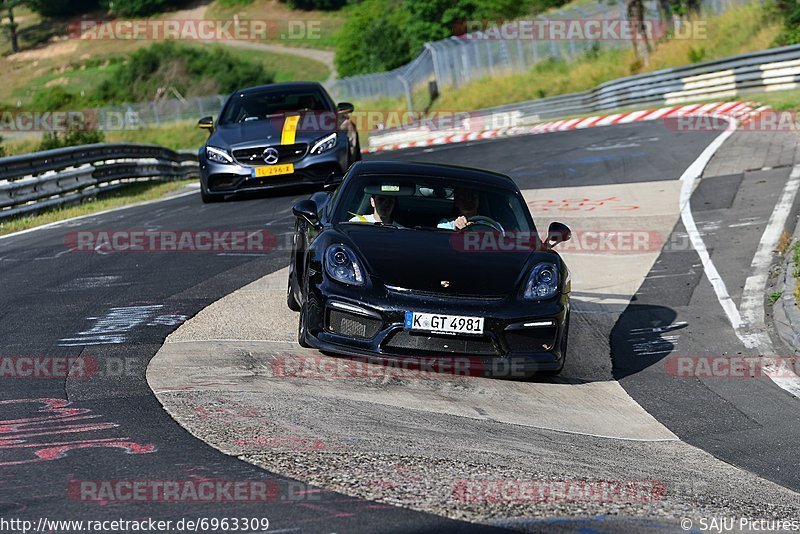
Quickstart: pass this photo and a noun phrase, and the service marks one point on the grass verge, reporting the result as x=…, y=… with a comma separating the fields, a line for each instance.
x=796, y=272
x=124, y=196
x=183, y=135
x=288, y=27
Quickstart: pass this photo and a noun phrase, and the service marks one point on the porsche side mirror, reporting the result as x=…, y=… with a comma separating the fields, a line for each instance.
x=557, y=233
x=307, y=209
x=345, y=107
x=206, y=123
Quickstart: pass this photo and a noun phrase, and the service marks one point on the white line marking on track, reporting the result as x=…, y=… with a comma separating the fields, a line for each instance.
x=753, y=294
x=751, y=333
x=689, y=176
x=756, y=284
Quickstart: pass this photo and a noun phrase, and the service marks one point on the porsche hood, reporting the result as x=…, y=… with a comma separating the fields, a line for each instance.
x=428, y=261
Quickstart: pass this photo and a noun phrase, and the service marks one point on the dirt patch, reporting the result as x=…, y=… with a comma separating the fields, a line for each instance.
x=63, y=80
x=62, y=48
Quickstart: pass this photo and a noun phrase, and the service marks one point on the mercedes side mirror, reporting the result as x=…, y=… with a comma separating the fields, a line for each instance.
x=206, y=123
x=345, y=107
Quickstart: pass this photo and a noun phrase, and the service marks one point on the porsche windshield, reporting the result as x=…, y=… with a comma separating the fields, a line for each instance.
x=431, y=203
x=258, y=105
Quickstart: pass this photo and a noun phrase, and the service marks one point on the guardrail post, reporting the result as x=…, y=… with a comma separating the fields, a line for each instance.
x=408, y=92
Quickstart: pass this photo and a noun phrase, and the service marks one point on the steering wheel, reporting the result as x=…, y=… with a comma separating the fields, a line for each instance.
x=482, y=220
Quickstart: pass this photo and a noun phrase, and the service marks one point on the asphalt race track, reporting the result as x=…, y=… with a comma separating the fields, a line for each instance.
x=116, y=309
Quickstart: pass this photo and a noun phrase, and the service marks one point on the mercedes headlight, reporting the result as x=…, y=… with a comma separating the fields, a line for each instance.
x=324, y=144
x=342, y=265
x=542, y=282
x=217, y=155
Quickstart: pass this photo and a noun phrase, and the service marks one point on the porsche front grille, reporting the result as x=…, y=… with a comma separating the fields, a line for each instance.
x=406, y=341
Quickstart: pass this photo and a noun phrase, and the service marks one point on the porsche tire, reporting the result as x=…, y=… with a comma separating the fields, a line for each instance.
x=302, y=329
x=291, y=302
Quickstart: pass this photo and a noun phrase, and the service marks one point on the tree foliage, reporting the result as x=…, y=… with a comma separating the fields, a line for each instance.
x=140, y=8
x=84, y=135
x=62, y=8
x=789, y=11
x=190, y=70
x=321, y=5
x=380, y=35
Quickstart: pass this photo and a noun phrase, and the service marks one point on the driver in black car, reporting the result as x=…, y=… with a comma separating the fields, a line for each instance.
x=467, y=201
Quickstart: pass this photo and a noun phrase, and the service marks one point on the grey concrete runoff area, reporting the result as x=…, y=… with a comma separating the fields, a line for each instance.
x=227, y=377
x=235, y=378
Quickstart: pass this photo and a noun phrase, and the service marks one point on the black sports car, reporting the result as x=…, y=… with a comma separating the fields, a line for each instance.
x=409, y=260
x=275, y=136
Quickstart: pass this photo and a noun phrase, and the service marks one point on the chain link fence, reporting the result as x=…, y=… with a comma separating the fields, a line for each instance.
x=459, y=60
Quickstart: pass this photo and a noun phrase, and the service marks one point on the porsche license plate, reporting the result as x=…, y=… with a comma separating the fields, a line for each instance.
x=451, y=324
x=273, y=170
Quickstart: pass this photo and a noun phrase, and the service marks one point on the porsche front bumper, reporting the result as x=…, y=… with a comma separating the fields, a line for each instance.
x=520, y=337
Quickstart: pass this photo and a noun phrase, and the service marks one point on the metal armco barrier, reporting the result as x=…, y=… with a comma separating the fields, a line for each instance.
x=773, y=69
x=31, y=182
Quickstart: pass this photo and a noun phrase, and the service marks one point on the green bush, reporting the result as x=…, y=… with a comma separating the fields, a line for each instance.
x=140, y=8
x=696, y=55
x=307, y=5
x=371, y=40
x=234, y=3
x=383, y=34
x=78, y=136
x=2, y=148
x=62, y=8
x=789, y=12
x=191, y=70
x=53, y=99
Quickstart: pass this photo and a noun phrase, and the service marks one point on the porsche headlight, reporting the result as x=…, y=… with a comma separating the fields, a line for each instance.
x=218, y=155
x=324, y=144
x=542, y=282
x=342, y=265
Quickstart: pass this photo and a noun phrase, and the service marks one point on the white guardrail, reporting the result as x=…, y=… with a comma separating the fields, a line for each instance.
x=773, y=69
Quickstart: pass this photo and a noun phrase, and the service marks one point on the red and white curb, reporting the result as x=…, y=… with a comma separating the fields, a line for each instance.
x=734, y=110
